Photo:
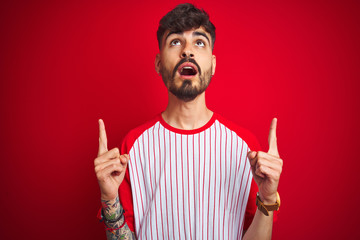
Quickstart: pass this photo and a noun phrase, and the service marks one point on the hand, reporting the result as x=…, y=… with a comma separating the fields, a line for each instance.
x=267, y=167
x=110, y=167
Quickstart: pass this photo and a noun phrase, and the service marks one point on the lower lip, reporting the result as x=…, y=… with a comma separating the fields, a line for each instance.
x=187, y=76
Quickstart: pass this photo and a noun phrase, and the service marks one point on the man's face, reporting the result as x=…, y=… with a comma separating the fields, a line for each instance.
x=186, y=62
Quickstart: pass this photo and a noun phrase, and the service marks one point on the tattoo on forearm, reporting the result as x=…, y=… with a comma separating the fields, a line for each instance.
x=112, y=210
x=123, y=233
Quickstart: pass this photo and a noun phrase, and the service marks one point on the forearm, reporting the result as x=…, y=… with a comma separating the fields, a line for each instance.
x=112, y=210
x=261, y=226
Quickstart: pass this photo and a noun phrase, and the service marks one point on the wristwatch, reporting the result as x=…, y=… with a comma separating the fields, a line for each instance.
x=266, y=208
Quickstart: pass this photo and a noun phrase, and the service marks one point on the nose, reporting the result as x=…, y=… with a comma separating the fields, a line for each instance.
x=187, y=52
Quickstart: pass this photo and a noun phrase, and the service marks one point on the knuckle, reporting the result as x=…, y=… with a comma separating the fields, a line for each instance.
x=99, y=176
x=276, y=176
x=115, y=161
x=281, y=162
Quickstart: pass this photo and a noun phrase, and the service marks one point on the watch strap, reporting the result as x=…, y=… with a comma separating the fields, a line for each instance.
x=266, y=208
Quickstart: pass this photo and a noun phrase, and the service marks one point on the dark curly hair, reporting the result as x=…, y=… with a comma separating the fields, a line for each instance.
x=185, y=17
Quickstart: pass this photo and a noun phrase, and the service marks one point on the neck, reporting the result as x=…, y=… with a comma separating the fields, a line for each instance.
x=187, y=115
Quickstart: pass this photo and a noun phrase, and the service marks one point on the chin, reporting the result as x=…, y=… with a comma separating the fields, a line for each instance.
x=187, y=98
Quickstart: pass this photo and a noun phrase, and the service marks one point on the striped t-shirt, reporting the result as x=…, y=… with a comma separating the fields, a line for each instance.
x=188, y=184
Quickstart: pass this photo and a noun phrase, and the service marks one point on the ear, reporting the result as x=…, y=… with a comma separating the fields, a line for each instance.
x=157, y=63
x=213, y=63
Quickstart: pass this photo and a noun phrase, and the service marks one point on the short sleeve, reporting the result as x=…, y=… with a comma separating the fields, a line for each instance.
x=125, y=191
x=125, y=194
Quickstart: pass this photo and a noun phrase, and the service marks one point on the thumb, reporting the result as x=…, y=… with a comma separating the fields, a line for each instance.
x=124, y=159
x=252, y=154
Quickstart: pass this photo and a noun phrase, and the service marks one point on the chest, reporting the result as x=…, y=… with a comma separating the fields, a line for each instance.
x=216, y=155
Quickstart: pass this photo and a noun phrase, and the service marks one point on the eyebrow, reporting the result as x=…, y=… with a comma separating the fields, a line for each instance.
x=196, y=33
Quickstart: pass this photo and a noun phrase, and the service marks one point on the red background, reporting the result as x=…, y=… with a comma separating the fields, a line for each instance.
x=65, y=64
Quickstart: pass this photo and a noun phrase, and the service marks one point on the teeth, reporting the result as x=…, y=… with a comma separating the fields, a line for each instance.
x=187, y=67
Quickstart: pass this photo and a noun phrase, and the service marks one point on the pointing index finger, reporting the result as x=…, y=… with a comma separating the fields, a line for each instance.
x=102, y=138
x=273, y=150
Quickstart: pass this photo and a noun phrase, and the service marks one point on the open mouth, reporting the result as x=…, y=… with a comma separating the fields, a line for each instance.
x=187, y=70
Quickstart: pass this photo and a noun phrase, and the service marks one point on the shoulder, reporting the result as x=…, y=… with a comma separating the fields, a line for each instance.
x=241, y=132
x=135, y=133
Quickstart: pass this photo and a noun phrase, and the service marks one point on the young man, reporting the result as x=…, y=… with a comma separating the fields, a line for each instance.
x=188, y=173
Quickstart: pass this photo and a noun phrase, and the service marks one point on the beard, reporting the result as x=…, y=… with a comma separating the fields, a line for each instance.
x=188, y=90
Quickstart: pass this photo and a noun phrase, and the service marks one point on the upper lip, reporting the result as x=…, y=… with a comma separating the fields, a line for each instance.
x=187, y=64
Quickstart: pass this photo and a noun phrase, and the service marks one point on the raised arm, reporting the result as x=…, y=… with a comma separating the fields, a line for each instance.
x=266, y=169
x=110, y=168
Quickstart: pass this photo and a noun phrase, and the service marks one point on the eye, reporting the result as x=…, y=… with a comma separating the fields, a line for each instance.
x=200, y=43
x=175, y=42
